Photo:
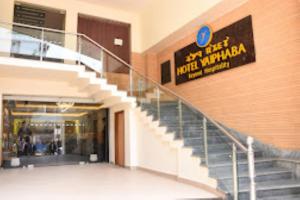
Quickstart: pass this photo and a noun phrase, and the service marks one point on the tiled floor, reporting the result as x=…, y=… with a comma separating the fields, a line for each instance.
x=91, y=182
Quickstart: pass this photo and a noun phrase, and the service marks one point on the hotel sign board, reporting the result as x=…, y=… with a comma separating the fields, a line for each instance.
x=227, y=48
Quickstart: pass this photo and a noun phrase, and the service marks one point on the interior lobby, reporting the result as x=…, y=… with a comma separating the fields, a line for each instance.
x=150, y=99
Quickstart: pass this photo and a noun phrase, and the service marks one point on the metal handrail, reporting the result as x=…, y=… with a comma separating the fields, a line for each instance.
x=234, y=139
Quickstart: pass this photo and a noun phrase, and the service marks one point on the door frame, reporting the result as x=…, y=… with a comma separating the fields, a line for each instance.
x=119, y=140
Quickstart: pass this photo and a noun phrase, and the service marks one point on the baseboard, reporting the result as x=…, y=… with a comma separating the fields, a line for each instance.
x=202, y=186
x=157, y=173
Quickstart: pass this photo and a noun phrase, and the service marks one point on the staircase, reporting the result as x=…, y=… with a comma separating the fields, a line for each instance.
x=98, y=77
x=272, y=181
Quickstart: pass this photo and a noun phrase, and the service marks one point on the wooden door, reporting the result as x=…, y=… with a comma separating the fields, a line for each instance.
x=119, y=138
x=104, y=32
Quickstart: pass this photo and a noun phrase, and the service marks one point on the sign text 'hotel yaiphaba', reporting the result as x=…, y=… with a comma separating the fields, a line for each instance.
x=227, y=48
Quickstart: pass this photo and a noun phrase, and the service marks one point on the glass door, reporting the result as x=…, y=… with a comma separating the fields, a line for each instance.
x=53, y=133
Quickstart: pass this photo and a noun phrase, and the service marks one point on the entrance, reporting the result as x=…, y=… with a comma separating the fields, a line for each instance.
x=119, y=138
x=53, y=133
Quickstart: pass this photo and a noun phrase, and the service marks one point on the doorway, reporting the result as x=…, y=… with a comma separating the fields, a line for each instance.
x=119, y=138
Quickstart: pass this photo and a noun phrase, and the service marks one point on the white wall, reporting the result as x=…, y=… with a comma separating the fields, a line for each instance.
x=153, y=153
x=162, y=18
x=159, y=152
x=7, y=8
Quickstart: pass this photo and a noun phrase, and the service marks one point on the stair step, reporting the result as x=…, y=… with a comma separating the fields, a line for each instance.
x=184, y=122
x=214, y=148
x=210, y=133
x=272, y=189
x=191, y=141
x=167, y=114
x=285, y=197
x=189, y=128
x=217, y=170
x=215, y=158
x=262, y=176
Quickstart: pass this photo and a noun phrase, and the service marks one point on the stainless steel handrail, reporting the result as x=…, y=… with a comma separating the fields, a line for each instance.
x=239, y=144
x=235, y=140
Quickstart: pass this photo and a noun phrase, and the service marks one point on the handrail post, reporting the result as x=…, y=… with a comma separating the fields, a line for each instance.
x=180, y=120
x=130, y=82
x=234, y=174
x=251, y=168
x=158, y=102
x=205, y=140
x=140, y=88
x=42, y=44
x=79, y=49
x=102, y=63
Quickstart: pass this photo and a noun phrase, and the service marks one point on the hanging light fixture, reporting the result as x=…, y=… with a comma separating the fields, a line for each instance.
x=64, y=106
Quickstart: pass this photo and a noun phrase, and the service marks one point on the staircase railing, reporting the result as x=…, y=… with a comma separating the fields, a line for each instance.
x=44, y=44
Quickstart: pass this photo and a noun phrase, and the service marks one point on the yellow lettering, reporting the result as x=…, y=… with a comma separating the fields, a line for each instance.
x=226, y=42
x=187, y=68
x=234, y=51
x=208, y=49
x=242, y=48
x=205, y=61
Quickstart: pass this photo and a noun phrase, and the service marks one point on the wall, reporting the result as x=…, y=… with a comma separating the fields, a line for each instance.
x=158, y=151
x=73, y=7
x=261, y=99
x=147, y=26
x=162, y=18
x=153, y=153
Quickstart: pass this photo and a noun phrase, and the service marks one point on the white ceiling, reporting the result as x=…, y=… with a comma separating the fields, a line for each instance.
x=130, y=5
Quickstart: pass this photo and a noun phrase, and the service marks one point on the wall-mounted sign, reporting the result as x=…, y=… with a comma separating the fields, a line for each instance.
x=229, y=47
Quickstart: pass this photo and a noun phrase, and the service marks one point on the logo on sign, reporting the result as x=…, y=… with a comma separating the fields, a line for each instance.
x=204, y=36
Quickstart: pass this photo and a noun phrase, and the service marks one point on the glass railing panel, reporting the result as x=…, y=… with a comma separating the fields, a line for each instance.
x=18, y=41
x=26, y=42
x=226, y=161
x=146, y=93
x=216, y=154
x=6, y=34
x=91, y=55
x=53, y=48
x=170, y=113
x=116, y=72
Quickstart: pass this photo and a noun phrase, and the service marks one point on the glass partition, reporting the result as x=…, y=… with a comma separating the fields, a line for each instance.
x=53, y=132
